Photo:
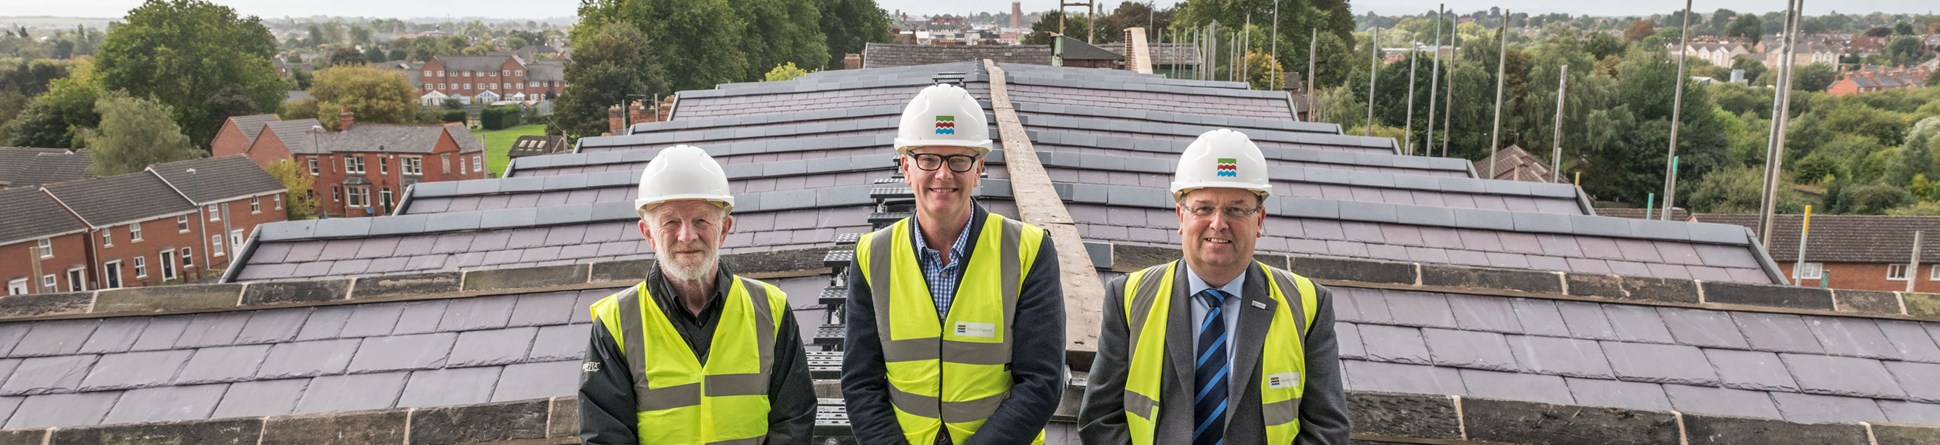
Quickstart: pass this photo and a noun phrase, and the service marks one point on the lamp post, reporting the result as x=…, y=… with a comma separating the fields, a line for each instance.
x=203, y=223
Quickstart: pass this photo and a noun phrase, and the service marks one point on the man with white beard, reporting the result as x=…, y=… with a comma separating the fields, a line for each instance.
x=693, y=354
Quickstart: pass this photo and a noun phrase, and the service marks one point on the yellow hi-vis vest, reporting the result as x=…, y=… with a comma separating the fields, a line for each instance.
x=681, y=400
x=1283, y=371
x=948, y=374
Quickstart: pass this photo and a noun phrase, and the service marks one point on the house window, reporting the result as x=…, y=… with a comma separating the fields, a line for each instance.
x=478, y=163
x=134, y=232
x=384, y=196
x=182, y=224
x=215, y=245
x=333, y=194
x=468, y=86
x=518, y=72
x=107, y=238
x=77, y=279
x=1896, y=272
x=411, y=166
x=50, y=283
x=279, y=202
x=188, y=260
x=111, y=275
x=313, y=166
x=141, y=266
x=441, y=73
x=215, y=214
x=353, y=163
x=46, y=248
x=168, y=263
x=447, y=162
x=17, y=287
x=359, y=196
x=1810, y=271
x=504, y=72
x=441, y=85
x=461, y=166
x=256, y=205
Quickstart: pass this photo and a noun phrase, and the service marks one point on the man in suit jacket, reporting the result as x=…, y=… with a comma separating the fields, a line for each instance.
x=1216, y=348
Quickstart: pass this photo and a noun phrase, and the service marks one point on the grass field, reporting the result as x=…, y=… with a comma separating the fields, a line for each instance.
x=498, y=142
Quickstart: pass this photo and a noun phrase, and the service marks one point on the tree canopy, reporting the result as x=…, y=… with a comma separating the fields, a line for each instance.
x=179, y=53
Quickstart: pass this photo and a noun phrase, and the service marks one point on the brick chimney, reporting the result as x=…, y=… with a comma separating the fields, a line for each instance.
x=639, y=112
x=666, y=109
x=851, y=61
x=344, y=119
x=613, y=120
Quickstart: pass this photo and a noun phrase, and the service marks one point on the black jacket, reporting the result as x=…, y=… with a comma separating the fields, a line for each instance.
x=606, y=410
x=1037, y=355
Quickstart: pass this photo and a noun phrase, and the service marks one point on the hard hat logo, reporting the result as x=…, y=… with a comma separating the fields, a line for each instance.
x=1213, y=161
x=1228, y=168
x=946, y=125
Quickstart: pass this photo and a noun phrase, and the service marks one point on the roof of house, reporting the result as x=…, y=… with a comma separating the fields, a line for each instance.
x=537, y=145
x=121, y=199
x=252, y=125
x=1075, y=49
x=397, y=138
x=1514, y=323
x=1677, y=214
x=473, y=63
x=295, y=134
x=29, y=167
x=890, y=55
x=1513, y=163
x=1845, y=238
x=218, y=179
x=31, y=214
x=546, y=70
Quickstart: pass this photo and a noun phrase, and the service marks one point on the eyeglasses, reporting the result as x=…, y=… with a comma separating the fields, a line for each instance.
x=931, y=162
x=1231, y=212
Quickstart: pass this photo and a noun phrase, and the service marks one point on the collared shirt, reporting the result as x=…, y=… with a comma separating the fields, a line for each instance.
x=941, y=278
x=1235, y=291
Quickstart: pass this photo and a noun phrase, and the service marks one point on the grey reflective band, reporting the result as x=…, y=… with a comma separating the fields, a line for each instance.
x=1295, y=301
x=748, y=441
x=1142, y=302
x=736, y=385
x=950, y=412
x=915, y=404
x=671, y=397
x=1139, y=405
x=1008, y=259
x=1281, y=412
x=880, y=259
x=635, y=348
x=764, y=328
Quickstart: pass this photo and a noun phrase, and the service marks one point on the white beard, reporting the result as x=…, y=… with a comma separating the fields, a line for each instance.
x=690, y=272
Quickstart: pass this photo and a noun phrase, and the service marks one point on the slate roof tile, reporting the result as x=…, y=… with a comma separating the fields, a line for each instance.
x=45, y=375
x=1469, y=349
x=1395, y=377
x=536, y=380
x=115, y=335
x=1645, y=362
x=1813, y=408
x=1699, y=327
x=1758, y=371
x=1620, y=394
x=352, y=392
x=167, y=403
x=1395, y=344
x=308, y=358
x=1845, y=376
x=1513, y=386
x=403, y=352
x=135, y=369
x=261, y=398
x=1722, y=401
x=63, y=410
x=1852, y=336
x=223, y=364
x=441, y=387
x=60, y=337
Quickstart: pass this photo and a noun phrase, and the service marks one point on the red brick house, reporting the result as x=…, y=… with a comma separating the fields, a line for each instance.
x=264, y=138
x=363, y=170
x=233, y=194
x=491, y=78
x=43, y=248
x=1862, y=252
x=1875, y=78
x=140, y=231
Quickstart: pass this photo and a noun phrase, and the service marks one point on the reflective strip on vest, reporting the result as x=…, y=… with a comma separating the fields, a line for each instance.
x=679, y=399
x=917, y=349
x=1148, y=298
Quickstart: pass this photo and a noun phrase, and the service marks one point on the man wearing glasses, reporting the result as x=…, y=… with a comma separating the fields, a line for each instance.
x=955, y=316
x=1218, y=348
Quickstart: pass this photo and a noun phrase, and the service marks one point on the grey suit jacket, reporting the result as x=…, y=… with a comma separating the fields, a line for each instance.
x=1323, y=408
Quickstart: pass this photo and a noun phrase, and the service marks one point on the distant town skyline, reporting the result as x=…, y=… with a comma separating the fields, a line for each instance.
x=538, y=10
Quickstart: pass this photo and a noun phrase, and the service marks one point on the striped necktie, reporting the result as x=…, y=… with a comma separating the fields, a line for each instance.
x=1210, y=373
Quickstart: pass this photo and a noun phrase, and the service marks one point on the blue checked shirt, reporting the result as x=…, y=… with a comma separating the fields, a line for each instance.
x=942, y=279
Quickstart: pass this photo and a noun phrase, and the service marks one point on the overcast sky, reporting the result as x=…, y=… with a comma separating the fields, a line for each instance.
x=528, y=9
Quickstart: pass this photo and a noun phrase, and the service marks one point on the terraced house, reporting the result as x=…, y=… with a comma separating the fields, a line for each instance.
x=1468, y=309
x=488, y=79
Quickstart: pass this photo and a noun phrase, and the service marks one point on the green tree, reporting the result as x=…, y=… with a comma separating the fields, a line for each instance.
x=1746, y=27
x=180, y=52
x=784, y=72
x=696, y=42
x=374, y=95
x=1871, y=199
x=297, y=202
x=781, y=31
x=52, y=119
x=611, y=62
x=1907, y=50
x=1297, y=21
x=1260, y=67
x=1813, y=77
x=1737, y=190
x=850, y=25
x=1638, y=30
x=1721, y=20
x=1047, y=25
x=134, y=134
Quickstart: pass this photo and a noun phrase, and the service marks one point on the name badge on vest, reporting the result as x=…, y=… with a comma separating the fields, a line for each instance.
x=980, y=330
x=1285, y=380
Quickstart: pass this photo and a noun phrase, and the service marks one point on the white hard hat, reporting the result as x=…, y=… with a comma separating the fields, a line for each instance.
x=943, y=115
x=683, y=172
x=1222, y=158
